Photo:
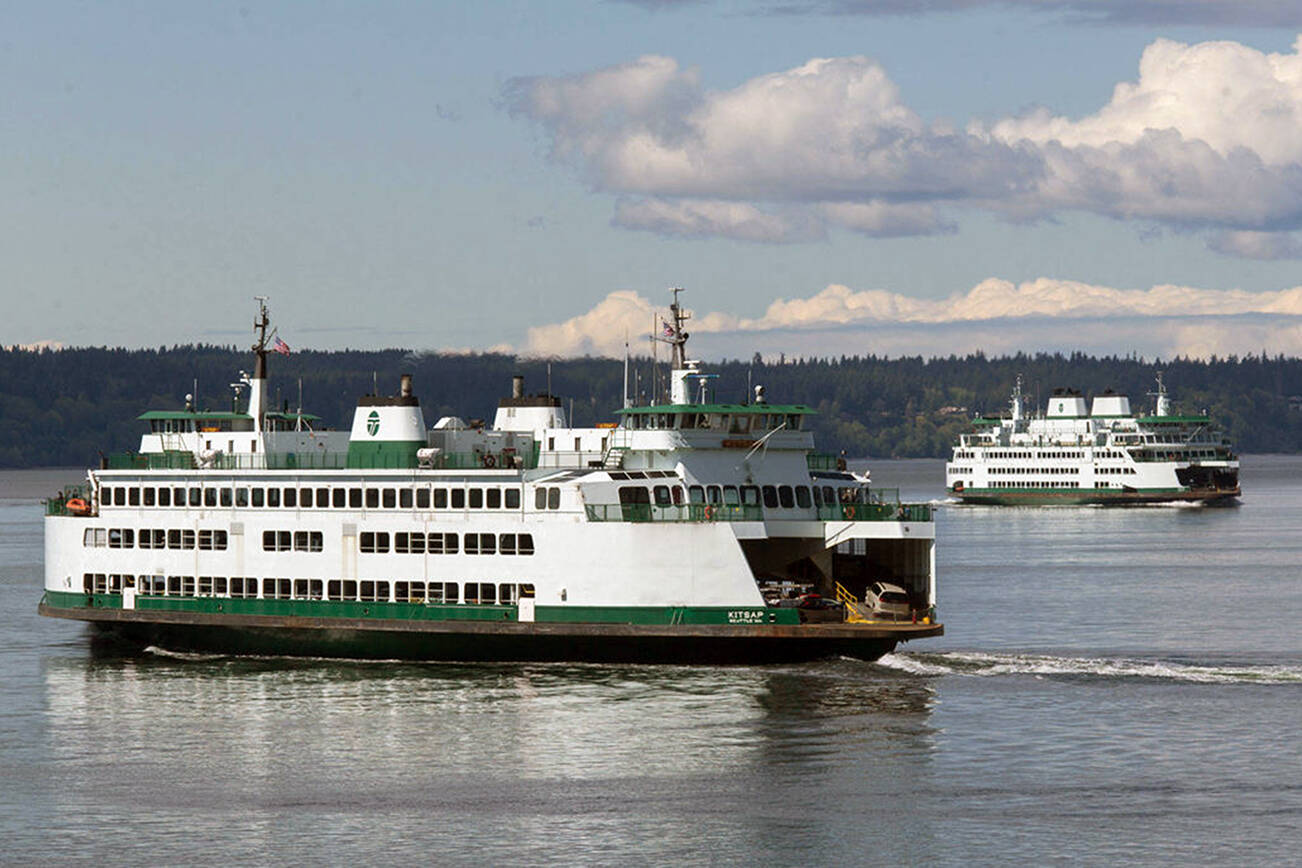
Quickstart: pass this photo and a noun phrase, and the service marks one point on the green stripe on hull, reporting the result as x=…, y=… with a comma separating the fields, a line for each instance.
x=1084, y=496
x=649, y=615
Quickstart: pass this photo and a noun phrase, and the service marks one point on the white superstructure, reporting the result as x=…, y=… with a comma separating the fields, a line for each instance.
x=1100, y=453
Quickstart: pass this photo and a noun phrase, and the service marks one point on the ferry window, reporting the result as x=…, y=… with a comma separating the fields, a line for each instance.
x=164, y=497
x=157, y=534
x=526, y=591
x=730, y=495
x=443, y=544
x=440, y=498
x=149, y=497
x=205, y=586
x=435, y=592
x=750, y=495
x=338, y=498
x=506, y=544
x=770, y=497
x=631, y=494
x=793, y=422
x=472, y=543
x=458, y=498
x=275, y=541
x=696, y=494
x=372, y=498
x=817, y=492
x=300, y=589
x=174, y=538
x=228, y=497
x=829, y=495
x=273, y=497
x=513, y=498
x=662, y=495
x=540, y=498
x=493, y=498
x=241, y=497
x=88, y=537
x=416, y=543
x=174, y=585
x=405, y=498
x=422, y=498
x=133, y=496
x=390, y=498
x=259, y=497
x=212, y=540
x=305, y=498
x=487, y=544
x=786, y=497
x=374, y=542
x=677, y=492
x=472, y=592
x=506, y=594
x=476, y=498
x=487, y=593
x=524, y=544
x=802, y=496
x=366, y=591
x=308, y=540
x=354, y=498
x=210, y=497
x=553, y=498
x=451, y=592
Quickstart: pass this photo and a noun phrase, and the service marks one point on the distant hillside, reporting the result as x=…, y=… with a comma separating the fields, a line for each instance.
x=64, y=407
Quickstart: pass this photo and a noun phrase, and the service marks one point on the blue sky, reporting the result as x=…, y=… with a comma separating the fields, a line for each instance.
x=824, y=177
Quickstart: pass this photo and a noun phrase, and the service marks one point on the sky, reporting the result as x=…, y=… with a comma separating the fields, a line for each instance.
x=823, y=177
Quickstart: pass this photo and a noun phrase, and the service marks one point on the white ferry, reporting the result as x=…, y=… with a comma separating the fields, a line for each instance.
x=1103, y=455
x=669, y=536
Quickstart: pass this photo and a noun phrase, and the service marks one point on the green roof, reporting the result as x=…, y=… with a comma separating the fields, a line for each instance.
x=152, y=415
x=752, y=409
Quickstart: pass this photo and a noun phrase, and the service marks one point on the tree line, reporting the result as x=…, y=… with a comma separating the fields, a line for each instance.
x=66, y=407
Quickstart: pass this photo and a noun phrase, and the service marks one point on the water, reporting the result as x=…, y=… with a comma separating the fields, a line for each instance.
x=1115, y=686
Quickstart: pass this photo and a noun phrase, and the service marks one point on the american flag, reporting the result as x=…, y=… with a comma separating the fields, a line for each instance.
x=669, y=330
x=280, y=346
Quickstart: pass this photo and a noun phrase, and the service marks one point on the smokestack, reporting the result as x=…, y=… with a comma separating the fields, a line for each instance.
x=405, y=390
x=517, y=386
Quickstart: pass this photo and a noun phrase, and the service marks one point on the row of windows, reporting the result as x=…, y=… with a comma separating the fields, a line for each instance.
x=298, y=541
x=772, y=496
x=959, y=471
x=353, y=590
x=355, y=497
x=1114, y=470
x=154, y=538
x=1057, y=483
x=377, y=542
x=1034, y=471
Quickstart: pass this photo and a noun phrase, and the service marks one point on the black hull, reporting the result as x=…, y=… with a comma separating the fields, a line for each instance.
x=489, y=641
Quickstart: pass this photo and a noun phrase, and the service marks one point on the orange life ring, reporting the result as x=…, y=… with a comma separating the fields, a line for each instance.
x=709, y=513
x=77, y=506
x=490, y=461
x=849, y=512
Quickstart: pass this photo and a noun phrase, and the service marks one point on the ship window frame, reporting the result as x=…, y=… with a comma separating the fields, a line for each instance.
x=388, y=498
x=493, y=498
x=553, y=497
x=406, y=498
x=147, y=496
x=355, y=497
x=273, y=498
x=422, y=497
x=227, y=497
x=540, y=497
x=511, y=497
x=440, y=498
x=506, y=543
x=258, y=497
x=696, y=495
x=209, y=496
x=786, y=497
x=524, y=544
x=475, y=498
x=305, y=499
x=372, y=497
x=339, y=497
x=457, y=498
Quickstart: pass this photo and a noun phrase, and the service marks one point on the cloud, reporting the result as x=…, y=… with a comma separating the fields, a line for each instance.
x=695, y=218
x=1257, y=245
x=995, y=316
x=1205, y=138
x=1235, y=13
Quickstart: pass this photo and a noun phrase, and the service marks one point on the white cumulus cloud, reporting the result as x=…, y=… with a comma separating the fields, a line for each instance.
x=1205, y=137
x=995, y=316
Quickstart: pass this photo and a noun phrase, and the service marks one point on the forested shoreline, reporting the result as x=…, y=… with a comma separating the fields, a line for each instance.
x=65, y=407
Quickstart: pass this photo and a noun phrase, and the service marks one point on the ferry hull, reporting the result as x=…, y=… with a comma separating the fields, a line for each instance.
x=299, y=636
x=1102, y=497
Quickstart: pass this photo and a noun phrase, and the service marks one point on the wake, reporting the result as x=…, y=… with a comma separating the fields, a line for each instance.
x=986, y=665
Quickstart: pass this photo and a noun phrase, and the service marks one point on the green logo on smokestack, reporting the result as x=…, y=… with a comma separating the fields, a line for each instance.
x=373, y=423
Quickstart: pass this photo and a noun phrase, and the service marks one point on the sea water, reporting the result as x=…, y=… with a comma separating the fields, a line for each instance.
x=1114, y=686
